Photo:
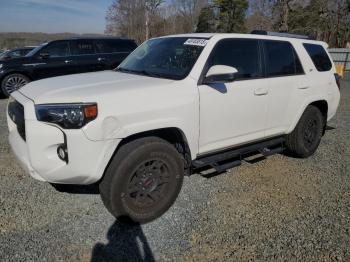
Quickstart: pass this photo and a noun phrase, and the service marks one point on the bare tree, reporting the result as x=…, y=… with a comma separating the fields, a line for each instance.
x=132, y=18
x=188, y=12
x=260, y=17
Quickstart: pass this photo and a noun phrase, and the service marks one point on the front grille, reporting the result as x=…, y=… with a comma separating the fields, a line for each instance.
x=16, y=113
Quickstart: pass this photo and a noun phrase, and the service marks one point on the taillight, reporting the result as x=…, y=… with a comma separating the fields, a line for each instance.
x=337, y=79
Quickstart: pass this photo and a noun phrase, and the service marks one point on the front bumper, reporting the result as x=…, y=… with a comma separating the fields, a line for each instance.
x=37, y=154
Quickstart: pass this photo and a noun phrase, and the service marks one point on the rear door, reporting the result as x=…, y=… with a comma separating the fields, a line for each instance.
x=85, y=56
x=53, y=60
x=287, y=83
x=111, y=52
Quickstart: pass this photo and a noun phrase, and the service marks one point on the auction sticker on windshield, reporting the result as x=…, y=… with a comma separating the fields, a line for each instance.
x=196, y=41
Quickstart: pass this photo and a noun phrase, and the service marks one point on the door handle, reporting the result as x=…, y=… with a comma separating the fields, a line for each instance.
x=303, y=87
x=260, y=92
x=101, y=59
x=68, y=61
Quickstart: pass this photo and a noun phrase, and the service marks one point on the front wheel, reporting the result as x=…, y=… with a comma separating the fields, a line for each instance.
x=306, y=137
x=143, y=180
x=12, y=83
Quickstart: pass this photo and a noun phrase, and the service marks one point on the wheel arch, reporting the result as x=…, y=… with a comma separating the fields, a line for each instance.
x=26, y=74
x=173, y=135
x=320, y=103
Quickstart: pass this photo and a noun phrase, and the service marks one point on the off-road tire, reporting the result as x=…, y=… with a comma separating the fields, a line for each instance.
x=121, y=174
x=306, y=137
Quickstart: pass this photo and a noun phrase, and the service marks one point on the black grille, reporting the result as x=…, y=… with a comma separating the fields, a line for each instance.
x=16, y=113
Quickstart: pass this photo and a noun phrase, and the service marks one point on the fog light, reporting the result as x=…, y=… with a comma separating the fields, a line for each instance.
x=62, y=153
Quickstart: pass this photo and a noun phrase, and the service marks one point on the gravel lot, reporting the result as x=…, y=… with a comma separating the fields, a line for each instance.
x=278, y=209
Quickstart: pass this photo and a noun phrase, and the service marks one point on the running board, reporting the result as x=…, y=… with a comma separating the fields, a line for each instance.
x=230, y=158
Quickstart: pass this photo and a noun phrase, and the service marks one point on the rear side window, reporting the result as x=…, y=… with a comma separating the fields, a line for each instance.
x=281, y=59
x=319, y=57
x=83, y=47
x=114, y=46
x=243, y=54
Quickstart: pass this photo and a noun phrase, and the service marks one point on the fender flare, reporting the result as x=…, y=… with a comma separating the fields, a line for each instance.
x=302, y=110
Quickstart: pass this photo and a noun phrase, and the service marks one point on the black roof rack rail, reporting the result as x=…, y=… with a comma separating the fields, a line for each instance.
x=263, y=32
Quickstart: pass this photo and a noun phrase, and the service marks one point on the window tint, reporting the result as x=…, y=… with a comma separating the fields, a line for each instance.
x=114, y=46
x=14, y=54
x=83, y=47
x=56, y=49
x=243, y=54
x=281, y=59
x=319, y=57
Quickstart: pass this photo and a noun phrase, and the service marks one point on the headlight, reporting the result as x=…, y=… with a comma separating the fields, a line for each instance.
x=1, y=65
x=68, y=116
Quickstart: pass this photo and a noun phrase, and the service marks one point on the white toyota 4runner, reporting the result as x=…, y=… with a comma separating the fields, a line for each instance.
x=177, y=105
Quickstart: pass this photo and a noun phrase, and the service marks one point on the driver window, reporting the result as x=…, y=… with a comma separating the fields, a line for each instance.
x=243, y=54
x=57, y=49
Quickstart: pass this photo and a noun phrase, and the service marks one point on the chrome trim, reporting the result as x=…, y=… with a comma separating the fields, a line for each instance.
x=34, y=64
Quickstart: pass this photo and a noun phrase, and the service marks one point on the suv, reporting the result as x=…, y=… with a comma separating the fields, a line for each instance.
x=63, y=57
x=177, y=105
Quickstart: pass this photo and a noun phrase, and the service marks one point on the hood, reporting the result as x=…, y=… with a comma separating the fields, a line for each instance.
x=87, y=87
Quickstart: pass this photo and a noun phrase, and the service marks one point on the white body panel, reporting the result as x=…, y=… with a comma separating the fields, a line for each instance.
x=211, y=117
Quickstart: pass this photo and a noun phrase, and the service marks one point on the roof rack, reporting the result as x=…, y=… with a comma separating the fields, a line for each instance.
x=263, y=32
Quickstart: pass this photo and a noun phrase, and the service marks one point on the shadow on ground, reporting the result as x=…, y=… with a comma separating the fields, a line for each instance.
x=125, y=243
x=77, y=189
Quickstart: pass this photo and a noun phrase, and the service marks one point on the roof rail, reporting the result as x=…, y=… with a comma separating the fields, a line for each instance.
x=263, y=32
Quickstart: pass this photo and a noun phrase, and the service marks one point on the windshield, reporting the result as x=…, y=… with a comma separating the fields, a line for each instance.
x=4, y=54
x=171, y=57
x=36, y=49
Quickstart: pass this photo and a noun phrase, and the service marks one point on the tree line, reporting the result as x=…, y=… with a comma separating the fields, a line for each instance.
x=326, y=20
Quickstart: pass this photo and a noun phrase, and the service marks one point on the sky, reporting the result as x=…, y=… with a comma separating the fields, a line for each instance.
x=53, y=16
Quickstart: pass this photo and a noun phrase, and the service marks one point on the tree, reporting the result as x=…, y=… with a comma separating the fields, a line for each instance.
x=206, y=20
x=326, y=20
x=260, y=17
x=231, y=15
x=187, y=12
x=131, y=18
x=150, y=10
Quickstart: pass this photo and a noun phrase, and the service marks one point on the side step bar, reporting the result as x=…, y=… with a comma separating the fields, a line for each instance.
x=233, y=157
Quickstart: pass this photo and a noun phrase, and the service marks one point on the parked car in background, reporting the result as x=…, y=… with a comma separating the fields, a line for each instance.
x=63, y=57
x=16, y=53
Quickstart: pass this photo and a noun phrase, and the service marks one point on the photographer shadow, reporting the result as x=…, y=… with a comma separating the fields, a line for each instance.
x=125, y=243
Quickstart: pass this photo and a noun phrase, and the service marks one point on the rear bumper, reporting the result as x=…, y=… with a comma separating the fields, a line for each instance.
x=87, y=159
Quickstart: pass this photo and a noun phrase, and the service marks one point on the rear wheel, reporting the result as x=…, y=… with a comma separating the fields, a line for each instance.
x=143, y=180
x=306, y=137
x=12, y=83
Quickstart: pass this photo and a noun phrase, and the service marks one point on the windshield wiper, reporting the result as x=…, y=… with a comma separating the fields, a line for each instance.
x=146, y=73
x=138, y=72
x=124, y=70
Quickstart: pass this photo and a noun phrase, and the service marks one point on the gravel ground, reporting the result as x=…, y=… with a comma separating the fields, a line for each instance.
x=278, y=209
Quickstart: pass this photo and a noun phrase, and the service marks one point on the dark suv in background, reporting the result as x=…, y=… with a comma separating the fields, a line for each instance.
x=63, y=57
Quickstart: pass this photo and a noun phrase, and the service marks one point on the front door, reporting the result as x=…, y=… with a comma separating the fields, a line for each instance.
x=53, y=60
x=234, y=113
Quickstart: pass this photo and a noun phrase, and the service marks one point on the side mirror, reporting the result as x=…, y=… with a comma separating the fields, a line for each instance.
x=220, y=74
x=44, y=55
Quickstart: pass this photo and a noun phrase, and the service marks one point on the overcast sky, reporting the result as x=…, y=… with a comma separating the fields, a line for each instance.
x=53, y=16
